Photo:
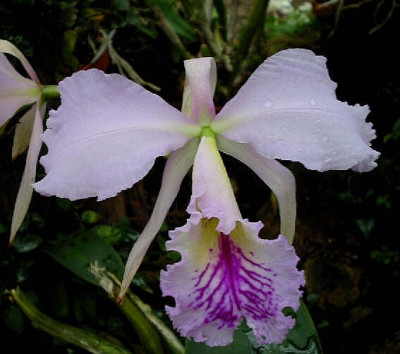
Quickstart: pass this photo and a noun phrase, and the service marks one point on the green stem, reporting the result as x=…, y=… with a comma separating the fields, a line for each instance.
x=146, y=332
x=87, y=340
x=221, y=10
x=173, y=342
x=49, y=91
x=146, y=324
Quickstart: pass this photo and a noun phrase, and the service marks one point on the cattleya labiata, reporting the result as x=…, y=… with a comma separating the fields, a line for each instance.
x=108, y=131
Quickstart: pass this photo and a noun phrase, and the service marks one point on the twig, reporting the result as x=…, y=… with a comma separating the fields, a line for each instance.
x=389, y=15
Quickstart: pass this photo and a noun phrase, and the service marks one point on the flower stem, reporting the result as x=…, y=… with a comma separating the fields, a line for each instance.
x=147, y=333
x=49, y=91
x=88, y=340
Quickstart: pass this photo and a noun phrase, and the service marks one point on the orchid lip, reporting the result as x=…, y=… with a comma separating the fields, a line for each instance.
x=227, y=273
x=237, y=281
x=225, y=278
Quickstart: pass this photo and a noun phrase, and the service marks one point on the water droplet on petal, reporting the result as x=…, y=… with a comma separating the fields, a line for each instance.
x=268, y=104
x=325, y=138
x=313, y=102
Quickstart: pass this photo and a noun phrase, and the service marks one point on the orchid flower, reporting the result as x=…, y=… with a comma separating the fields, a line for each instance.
x=17, y=91
x=227, y=273
x=108, y=132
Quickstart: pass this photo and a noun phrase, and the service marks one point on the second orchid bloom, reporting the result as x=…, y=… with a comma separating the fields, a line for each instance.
x=108, y=132
x=17, y=92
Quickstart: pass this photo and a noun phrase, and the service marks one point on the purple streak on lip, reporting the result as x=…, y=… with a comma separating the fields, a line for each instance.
x=234, y=286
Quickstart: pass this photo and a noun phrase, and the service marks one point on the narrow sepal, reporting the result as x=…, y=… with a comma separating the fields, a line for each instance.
x=177, y=166
x=200, y=82
x=276, y=176
x=16, y=91
x=23, y=132
x=25, y=191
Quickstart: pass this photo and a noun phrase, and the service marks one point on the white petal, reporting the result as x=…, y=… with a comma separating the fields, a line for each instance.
x=200, y=81
x=178, y=164
x=288, y=110
x=23, y=132
x=16, y=91
x=9, y=48
x=212, y=194
x=275, y=176
x=24, y=195
x=106, y=135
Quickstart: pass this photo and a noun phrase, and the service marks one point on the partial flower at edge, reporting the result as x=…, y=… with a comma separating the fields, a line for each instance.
x=16, y=90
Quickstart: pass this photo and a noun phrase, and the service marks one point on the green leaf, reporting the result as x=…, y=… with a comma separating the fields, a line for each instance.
x=365, y=225
x=394, y=134
x=27, y=242
x=121, y=5
x=77, y=251
x=108, y=233
x=13, y=319
x=90, y=216
x=37, y=220
x=302, y=339
x=240, y=345
x=180, y=26
x=133, y=18
x=64, y=204
x=69, y=44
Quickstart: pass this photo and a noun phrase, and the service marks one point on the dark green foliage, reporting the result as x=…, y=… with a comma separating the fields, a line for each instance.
x=347, y=223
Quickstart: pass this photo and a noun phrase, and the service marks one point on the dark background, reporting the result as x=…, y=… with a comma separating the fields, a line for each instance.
x=347, y=229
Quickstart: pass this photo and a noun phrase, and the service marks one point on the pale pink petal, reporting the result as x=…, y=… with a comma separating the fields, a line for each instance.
x=200, y=81
x=212, y=194
x=24, y=195
x=16, y=91
x=178, y=164
x=223, y=279
x=274, y=175
x=23, y=132
x=288, y=110
x=106, y=135
x=9, y=48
